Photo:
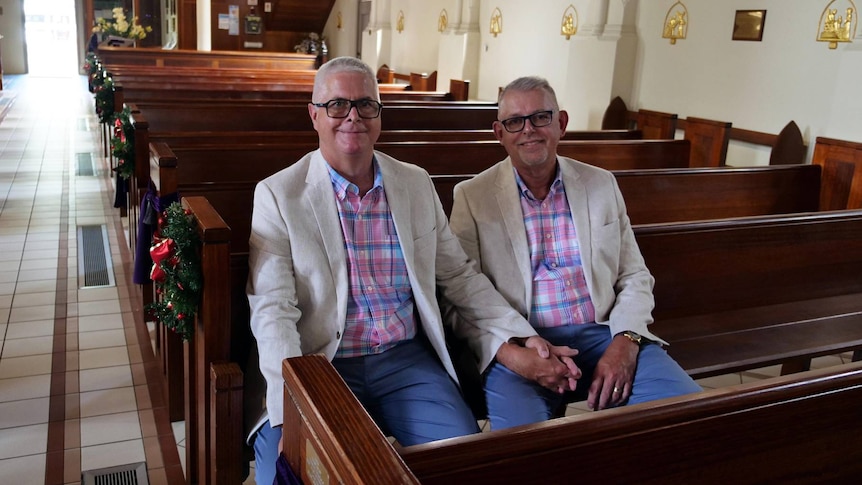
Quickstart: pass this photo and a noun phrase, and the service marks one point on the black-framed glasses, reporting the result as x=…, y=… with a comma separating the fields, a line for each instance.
x=537, y=119
x=367, y=108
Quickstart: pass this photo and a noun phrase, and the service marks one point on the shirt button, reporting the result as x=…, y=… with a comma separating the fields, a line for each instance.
x=544, y=205
x=568, y=282
x=548, y=236
x=369, y=288
x=553, y=265
x=359, y=217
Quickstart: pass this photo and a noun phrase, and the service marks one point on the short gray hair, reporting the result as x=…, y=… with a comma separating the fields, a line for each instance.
x=530, y=83
x=343, y=64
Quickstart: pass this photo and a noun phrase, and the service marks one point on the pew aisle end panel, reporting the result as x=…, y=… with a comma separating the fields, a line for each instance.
x=842, y=173
x=332, y=437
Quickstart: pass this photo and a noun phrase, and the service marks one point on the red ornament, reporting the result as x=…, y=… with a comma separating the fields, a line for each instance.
x=180, y=316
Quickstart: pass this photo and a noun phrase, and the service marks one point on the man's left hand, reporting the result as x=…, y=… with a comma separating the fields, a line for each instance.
x=614, y=375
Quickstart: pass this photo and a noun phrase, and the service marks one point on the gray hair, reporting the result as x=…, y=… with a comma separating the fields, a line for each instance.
x=530, y=83
x=343, y=64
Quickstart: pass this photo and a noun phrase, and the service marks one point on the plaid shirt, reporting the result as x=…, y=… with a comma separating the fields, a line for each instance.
x=380, y=302
x=560, y=293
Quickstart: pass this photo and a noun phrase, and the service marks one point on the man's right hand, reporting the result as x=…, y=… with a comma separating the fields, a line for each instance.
x=537, y=360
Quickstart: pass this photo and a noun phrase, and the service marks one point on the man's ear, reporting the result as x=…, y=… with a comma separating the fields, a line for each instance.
x=498, y=130
x=564, y=121
x=312, y=113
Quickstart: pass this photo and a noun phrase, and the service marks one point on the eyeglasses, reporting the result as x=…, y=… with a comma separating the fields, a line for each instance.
x=537, y=119
x=340, y=108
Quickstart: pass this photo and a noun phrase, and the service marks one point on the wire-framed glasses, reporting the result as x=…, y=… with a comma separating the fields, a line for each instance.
x=339, y=108
x=537, y=119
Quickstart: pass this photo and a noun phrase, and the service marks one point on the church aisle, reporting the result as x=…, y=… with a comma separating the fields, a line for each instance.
x=74, y=363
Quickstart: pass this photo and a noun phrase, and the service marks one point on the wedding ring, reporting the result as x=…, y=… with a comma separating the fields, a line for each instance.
x=616, y=390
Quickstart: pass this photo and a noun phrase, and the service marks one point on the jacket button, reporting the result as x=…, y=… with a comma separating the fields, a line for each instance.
x=338, y=335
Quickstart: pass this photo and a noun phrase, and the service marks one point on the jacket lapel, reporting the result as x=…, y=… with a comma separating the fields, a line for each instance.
x=321, y=202
x=509, y=202
x=576, y=194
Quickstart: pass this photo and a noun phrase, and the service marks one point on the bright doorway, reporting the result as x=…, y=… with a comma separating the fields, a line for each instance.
x=51, y=35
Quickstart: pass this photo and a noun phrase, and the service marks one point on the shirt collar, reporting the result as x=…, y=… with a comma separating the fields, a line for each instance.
x=342, y=185
x=556, y=185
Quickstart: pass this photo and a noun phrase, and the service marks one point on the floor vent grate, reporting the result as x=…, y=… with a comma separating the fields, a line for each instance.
x=132, y=474
x=94, y=259
x=84, y=164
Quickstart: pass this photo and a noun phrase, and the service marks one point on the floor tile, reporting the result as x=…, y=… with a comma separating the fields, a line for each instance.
x=29, y=387
x=96, y=294
x=98, y=307
x=107, y=401
x=105, y=357
x=720, y=381
x=30, y=329
x=26, y=470
x=36, y=286
x=110, y=428
x=91, y=323
x=30, y=365
x=28, y=346
x=112, y=454
x=23, y=441
x=23, y=413
x=35, y=299
x=31, y=313
x=100, y=339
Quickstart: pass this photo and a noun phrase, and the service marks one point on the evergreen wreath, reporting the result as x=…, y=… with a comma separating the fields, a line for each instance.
x=123, y=143
x=176, y=271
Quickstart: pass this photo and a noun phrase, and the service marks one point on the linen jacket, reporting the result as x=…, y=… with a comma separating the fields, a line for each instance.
x=298, y=276
x=488, y=220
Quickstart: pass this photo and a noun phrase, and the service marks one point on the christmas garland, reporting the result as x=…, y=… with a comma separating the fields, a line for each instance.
x=176, y=271
x=103, y=87
x=123, y=144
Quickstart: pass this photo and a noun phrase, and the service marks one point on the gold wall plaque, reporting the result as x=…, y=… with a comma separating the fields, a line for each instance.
x=838, y=25
x=675, y=23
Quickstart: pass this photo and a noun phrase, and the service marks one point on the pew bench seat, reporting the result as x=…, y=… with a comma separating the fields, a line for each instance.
x=789, y=334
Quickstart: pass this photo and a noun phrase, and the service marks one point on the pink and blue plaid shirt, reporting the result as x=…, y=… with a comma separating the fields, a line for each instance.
x=560, y=293
x=380, y=306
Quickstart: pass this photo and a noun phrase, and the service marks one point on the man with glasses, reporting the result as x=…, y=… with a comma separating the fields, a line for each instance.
x=348, y=249
x=553, y=236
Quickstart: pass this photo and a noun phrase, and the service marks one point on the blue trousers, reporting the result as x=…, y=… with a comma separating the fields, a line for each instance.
x=406, y=391
x=513, y=400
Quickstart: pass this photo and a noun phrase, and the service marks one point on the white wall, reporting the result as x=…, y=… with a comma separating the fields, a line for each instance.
x=342, y=42
x=415, y=48
x=758, y=86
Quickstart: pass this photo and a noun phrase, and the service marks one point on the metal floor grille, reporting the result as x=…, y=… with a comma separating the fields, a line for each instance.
x=84, y=164
x=132, y=474
x=94, y=259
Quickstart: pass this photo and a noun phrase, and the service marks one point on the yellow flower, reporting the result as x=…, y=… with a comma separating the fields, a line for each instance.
x=121, y=27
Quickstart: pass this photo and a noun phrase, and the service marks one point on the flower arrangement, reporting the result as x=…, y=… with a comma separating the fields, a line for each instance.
x=121, y=27
x=176, y=271
x=123, y=143
x=311, y=44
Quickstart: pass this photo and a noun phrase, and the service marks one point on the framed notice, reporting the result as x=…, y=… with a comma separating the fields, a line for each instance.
x=748, y=25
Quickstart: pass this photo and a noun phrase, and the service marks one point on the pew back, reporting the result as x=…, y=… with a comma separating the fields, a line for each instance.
x=737, y=294
x=749, y=433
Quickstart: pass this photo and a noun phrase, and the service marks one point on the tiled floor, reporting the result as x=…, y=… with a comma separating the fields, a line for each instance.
x=77, y=374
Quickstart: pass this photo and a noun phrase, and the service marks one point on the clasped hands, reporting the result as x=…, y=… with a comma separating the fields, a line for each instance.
x=536, y=359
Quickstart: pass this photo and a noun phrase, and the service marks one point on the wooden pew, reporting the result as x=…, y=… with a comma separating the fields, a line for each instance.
x=748, y=433
x=842, y=173
x=737, y=294
x=819, y=346
x=157, y=57
x=787, y=148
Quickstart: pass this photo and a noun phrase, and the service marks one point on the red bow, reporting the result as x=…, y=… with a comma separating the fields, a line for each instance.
x=162, y=250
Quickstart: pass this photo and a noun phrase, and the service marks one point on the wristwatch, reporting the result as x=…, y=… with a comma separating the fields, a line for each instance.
x=634, y=337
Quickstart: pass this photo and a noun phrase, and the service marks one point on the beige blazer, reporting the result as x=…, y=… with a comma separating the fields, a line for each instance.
x=298, y=285
x=488, y=220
